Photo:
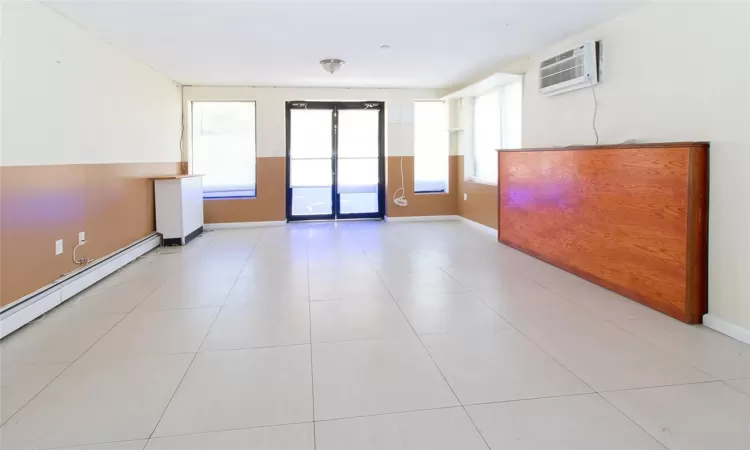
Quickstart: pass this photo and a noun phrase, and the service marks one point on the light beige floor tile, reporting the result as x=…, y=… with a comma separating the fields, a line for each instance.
x=157, y=333
x=497, y=366
x=121, y=298
x=607, y=304
x=346, y=288
x=233, y=389
x=19, y=384
x=438, y=429
x=376, y=376
x=98, y=400
x=708, y=350
x=742, y=385
x=689, y=417
x=280, y=437
x=347, y=319
x=525, y=303
x=449, y=313
x=273, y=288
x=605, y=356
x=260, y=324
x=186, y=292
x=125, y=445
x=404, y=285
x=578, y=422
x=608, y=341
x=62, y=335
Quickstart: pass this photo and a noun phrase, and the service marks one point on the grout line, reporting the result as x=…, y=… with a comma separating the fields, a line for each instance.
x=606, y=391
x=424, y=347
x=548, y=354
x=631, y=419
x=561, y=364
x=227, y=430
x=735, y=388
x=197, y=351
x=309, y=319
x=71, y=306
x=70, y=364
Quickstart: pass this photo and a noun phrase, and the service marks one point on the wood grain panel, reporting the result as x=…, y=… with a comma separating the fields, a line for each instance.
x=419, y=204
x=632, y=219
x=112, y=203
x=268, y=205
x=480, y=204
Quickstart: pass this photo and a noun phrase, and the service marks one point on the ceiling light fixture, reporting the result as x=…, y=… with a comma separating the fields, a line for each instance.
x=331, y=65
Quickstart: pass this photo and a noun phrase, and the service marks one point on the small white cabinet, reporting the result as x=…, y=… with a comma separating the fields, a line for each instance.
x=179, y=208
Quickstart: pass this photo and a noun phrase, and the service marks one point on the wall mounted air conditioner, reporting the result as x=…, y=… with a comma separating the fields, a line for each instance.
x=574, y=69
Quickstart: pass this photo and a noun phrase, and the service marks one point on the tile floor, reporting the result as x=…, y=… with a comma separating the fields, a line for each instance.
x=365, y=336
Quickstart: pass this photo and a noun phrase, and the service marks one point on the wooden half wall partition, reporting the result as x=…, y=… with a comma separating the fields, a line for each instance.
x=437, y=204
x=112, y=203
x=631, y=218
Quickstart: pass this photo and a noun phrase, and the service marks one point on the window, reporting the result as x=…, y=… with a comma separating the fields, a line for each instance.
x=497, y=125
x=431, y=146
x=223, y=148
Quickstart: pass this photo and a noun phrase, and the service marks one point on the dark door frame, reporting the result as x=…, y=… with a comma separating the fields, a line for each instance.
x=335, y=107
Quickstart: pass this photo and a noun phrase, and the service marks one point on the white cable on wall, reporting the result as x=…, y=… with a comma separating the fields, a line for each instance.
x=400, y=199
x=596, y=108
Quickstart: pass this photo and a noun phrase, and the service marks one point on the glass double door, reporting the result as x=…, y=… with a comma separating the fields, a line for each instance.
x=335, y=160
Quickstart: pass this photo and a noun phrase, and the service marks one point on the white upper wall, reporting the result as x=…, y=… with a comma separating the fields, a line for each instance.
x=271, y=112
x=671, y=72
x=72, y=98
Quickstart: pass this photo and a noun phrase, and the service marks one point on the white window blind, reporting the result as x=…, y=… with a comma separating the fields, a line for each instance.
x=431, y=146
x=486, y=136
x=223, y=148
x=497, y=125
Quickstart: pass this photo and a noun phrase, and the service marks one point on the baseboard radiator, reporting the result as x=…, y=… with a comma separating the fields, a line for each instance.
x=25, y=310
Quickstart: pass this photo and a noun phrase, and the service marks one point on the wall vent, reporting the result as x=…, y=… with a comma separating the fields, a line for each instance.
x=573, y=69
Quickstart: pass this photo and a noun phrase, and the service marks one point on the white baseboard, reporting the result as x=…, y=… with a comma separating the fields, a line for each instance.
x=728, y=328
x=483, y=228
x=43, y=300
x=218, y=226
x=420, y=218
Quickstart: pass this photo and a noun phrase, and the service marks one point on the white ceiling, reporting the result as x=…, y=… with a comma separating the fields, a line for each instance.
x=279, y=43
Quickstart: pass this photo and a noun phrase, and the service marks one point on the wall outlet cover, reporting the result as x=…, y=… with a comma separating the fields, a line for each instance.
x=466, y=196
x=81, y=237
x=58, y=247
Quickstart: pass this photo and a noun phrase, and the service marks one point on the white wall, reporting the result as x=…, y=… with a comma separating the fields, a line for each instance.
x=271, y=118
x=71, y=98
x=671, y=72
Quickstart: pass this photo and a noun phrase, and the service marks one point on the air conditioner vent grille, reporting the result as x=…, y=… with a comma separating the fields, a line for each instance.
x=564, y=71
x=557, y=58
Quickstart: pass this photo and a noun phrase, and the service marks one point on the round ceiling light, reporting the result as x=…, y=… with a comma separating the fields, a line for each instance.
x=331, y=65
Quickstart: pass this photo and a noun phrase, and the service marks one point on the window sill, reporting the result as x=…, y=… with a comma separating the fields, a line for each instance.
x=430, y=192
x=232, y=197
x=478, y=181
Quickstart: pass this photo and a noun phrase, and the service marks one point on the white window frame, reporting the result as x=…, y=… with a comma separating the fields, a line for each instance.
x=222, y=194
x=504, y=139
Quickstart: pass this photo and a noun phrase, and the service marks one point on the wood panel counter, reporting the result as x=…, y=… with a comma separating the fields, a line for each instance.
x=631, y=218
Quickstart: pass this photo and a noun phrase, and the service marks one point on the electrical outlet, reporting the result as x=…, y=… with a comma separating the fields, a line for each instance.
x=466, y=196
x=81, y=237
x=58, y=247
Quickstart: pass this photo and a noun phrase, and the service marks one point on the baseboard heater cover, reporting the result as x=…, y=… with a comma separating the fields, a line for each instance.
x=37, y=303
